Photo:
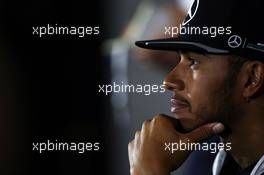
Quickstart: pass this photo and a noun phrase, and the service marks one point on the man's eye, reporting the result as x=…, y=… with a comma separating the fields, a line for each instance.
x=193, y=62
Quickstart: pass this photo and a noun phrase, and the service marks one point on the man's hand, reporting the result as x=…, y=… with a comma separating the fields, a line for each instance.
x=147, y=155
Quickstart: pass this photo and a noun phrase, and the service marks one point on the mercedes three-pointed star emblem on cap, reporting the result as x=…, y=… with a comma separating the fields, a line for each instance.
x=234, y=41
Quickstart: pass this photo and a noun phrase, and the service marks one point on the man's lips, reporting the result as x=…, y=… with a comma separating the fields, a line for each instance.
x=178, y=105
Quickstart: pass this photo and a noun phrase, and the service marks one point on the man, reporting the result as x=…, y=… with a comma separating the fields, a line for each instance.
x=217, y=85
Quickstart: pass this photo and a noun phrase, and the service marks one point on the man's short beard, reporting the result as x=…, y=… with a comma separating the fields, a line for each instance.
x=220, y=106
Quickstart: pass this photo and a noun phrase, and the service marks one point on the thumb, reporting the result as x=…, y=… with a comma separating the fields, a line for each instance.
x=205, y=132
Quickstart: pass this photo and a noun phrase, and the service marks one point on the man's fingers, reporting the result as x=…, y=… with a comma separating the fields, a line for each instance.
x=130, y=152
x=205, y=132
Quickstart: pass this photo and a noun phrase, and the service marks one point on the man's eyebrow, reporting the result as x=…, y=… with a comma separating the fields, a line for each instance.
x=194, y=54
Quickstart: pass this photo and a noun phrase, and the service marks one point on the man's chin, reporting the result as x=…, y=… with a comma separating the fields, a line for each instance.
x=189, y=125
x=189, y=121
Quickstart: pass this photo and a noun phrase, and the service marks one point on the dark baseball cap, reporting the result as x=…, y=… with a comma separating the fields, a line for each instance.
x=216, y=27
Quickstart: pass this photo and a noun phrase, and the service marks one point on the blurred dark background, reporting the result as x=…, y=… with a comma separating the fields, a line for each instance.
x=49, y=88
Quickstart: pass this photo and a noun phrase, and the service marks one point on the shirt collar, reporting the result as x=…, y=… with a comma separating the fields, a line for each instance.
x=219, y=162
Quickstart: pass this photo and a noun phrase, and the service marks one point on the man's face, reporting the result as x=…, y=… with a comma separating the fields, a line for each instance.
x=202, y=91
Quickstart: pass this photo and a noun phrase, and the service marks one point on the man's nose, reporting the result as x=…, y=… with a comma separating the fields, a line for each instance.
x=173, y=81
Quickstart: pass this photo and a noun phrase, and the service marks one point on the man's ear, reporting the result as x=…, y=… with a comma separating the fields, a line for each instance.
x=253, y=78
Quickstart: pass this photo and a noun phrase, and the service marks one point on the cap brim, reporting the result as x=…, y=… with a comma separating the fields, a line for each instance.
x=179, y=44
